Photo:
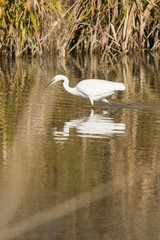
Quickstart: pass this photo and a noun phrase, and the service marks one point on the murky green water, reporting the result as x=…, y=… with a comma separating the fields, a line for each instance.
x=67, y=172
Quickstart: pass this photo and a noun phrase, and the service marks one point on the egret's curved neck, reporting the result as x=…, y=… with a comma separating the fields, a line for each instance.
x=67, y=87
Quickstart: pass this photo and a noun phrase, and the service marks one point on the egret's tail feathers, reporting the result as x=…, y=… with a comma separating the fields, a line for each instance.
x=120, y=87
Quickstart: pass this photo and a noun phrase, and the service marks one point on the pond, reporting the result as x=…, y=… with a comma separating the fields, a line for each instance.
x=70, y=172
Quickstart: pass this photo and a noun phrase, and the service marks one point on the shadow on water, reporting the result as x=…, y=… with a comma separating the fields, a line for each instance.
x=103, y=182
x=63, y=209
x=130, y=106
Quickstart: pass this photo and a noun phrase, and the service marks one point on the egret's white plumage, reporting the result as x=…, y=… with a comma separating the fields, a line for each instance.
x=94, y=89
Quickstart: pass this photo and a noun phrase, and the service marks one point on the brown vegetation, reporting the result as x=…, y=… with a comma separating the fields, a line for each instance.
x=109, y=27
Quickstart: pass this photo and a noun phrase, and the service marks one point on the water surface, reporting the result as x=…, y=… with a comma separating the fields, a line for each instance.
x=68, y=172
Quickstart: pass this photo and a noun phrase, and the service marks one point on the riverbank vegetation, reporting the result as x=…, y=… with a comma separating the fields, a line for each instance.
x=110, y=27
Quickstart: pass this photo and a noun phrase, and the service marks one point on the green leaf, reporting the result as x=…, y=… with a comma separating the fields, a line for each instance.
x=30, y=37
x=33, y=21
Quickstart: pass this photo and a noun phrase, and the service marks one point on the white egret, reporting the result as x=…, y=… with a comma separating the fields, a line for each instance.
x=93, y=89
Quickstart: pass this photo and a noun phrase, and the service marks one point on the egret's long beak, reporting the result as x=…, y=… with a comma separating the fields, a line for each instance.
x=49, y=84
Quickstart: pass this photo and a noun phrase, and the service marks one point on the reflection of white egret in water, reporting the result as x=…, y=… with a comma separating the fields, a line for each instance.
x=94, y=126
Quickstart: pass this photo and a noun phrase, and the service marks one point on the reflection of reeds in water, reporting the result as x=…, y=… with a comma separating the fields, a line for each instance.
x=22, y=118
x=16, y=80
x=141, y=76
x=32, y=175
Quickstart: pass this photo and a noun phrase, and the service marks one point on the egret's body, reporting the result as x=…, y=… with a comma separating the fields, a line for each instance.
x=93, y=89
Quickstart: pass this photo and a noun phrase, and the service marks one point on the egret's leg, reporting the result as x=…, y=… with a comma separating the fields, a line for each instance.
x=106, y=101
x=92, y=102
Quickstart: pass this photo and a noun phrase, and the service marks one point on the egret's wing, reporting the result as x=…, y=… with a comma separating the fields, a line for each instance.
x=98, y=88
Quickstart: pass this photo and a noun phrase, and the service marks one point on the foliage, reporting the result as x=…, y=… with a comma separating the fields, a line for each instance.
x=109, y=27
x=23, y=23
x=114, y=27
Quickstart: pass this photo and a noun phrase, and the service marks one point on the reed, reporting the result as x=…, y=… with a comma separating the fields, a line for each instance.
x=23, y=25
x=109, y=27
x=114, y=27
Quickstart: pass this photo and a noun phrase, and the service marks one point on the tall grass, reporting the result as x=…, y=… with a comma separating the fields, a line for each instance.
x=114, y=27
x=105, y=26
x=23, y=25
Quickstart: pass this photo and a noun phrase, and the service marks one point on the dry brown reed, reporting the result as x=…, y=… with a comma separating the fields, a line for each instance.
x=109, y=27
x=113, y=27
